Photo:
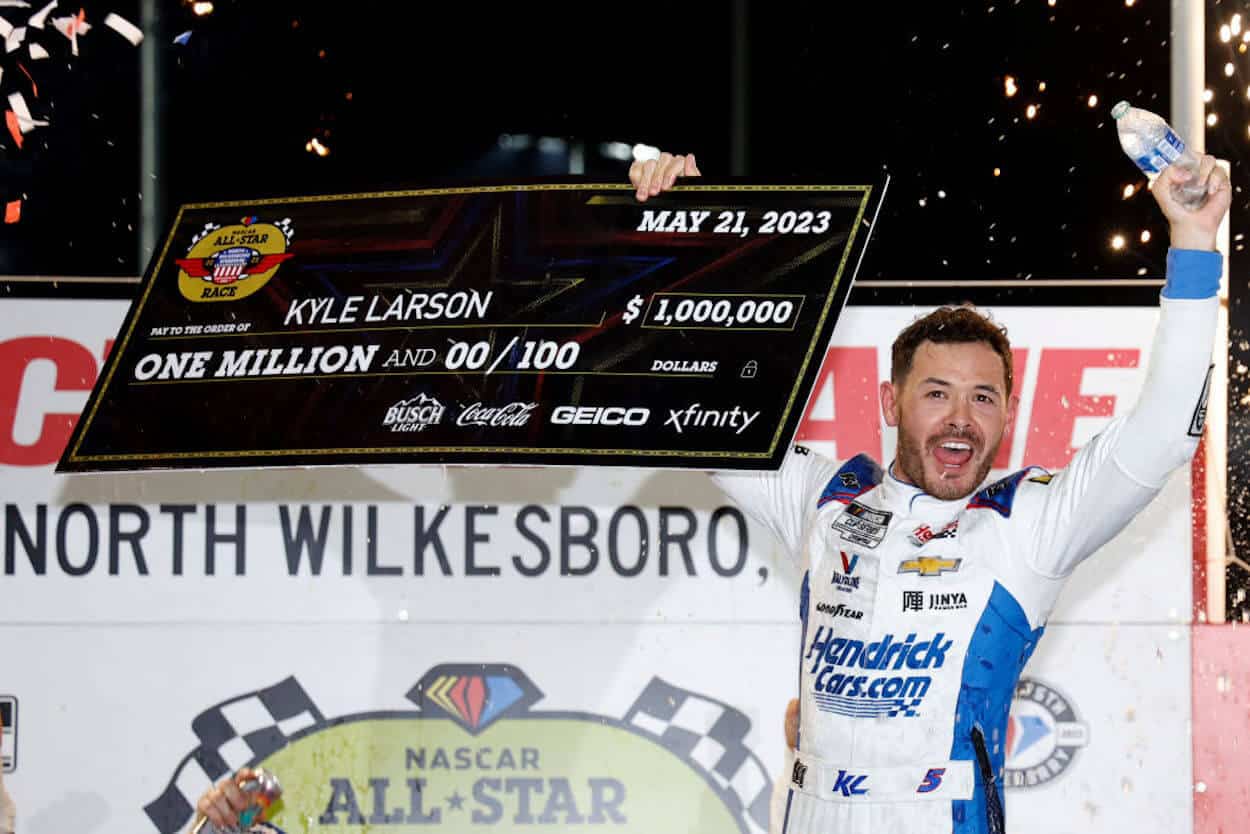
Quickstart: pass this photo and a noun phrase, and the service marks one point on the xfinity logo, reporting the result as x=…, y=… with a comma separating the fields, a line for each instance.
x=588, y=415
x=697, y=416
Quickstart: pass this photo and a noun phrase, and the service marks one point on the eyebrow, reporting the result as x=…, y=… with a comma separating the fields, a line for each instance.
x=932, y=380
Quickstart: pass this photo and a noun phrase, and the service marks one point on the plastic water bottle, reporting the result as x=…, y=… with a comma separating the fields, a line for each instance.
x=1153, y=145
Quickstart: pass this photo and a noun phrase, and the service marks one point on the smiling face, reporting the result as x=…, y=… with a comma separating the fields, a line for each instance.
x=952, y=408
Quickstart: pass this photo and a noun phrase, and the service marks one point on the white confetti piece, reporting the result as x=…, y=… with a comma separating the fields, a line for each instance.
x=25, y=122
x=18, y=105
x=14, y=4
x=125, y=28
x=14, y=39
x=37, y=52
x=5, y=28
x=37, y=19
x=71, y=27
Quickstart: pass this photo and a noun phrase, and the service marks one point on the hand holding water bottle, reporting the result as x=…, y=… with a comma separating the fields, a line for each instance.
x=1193, y=192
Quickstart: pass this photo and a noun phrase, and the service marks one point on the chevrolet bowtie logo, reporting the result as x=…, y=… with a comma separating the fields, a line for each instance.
x=929, y=566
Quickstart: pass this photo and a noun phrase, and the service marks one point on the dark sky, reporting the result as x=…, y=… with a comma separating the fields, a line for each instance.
x=403, y=94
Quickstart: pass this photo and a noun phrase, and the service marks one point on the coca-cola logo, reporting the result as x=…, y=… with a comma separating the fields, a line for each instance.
x=512, y=415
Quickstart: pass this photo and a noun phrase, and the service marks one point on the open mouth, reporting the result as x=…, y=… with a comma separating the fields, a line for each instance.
x=953, y=454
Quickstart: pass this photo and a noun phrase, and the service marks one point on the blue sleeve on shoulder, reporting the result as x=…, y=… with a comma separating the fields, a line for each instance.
x=1193, y=273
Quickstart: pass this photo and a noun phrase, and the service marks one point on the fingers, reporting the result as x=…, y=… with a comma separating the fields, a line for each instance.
x=214, y=806
x=640, y=175
x=237, y=799
x=223, y=802
x=1217, y=179
x=792, y=724
x=651, y=177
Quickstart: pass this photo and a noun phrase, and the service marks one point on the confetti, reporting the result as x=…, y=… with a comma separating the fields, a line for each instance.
x=37, y=52
x=10, y=119
x=14, y=4
x=37, y=19
x=13, y=211
x=182, y=39
x=34, y=88
x=14, y=39
x=5, y=28
x=71, y=27
x=25, y=122
x=125, y=28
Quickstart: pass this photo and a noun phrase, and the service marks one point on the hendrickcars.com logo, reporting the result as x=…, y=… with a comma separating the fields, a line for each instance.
x=475, y=755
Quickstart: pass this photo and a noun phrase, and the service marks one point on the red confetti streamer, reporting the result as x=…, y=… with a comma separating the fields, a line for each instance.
x=13, y=211
x=33, y=86
x=15, y=130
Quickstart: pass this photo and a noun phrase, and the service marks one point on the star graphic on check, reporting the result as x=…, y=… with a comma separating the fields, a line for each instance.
x=929, y=566
x=455, y=801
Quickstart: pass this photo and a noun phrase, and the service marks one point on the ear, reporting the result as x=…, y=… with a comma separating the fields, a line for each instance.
x=1013, y=406
x=889, y=403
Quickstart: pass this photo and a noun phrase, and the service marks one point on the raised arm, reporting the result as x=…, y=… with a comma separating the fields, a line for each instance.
x=1122, y=469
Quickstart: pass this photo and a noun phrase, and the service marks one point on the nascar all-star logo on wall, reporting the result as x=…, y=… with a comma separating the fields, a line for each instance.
x=474, y=754
x=1044, y=734
x=226, y=263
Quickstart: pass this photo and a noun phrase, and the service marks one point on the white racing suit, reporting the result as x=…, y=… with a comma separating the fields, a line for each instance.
x=919, y=614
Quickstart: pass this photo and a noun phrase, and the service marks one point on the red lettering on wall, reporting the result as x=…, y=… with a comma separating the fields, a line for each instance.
x=75, y=371
x=1058, y=401
x=1019, y=361
x=848, y=377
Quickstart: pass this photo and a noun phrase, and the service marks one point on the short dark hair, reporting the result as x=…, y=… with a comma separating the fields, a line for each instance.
x=950, y=325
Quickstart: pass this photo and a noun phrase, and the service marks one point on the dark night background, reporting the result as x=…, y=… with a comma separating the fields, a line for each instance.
x=403, y=94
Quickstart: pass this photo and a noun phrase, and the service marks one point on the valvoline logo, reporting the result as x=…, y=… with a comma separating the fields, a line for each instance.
x=475, y=755
x=848, y=563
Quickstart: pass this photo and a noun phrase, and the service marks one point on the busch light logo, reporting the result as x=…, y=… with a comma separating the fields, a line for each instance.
x=838, y=689
x=414, y=414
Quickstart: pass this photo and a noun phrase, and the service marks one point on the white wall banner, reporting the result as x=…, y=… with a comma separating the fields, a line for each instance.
x=620, y=630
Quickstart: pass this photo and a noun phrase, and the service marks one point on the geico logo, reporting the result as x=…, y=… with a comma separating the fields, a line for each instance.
x=589, y=415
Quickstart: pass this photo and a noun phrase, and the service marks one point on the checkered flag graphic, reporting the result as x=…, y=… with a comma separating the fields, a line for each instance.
x=710, y=734
x=233, y=734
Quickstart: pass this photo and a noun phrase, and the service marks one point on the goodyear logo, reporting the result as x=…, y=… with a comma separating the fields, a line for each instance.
x=929, y=566
x=227, y=263
x=475, y=755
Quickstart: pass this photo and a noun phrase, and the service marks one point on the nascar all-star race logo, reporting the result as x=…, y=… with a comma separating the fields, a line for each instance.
x=1043, y=735
x=226, y=263
x=475, y=755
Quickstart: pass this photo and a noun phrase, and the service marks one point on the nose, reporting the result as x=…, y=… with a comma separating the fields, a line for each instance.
x=960, y=415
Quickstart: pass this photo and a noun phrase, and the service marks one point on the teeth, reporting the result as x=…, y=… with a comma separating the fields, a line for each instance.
x=957, y=447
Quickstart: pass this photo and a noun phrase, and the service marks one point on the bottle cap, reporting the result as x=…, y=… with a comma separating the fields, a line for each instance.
x=1119, y=110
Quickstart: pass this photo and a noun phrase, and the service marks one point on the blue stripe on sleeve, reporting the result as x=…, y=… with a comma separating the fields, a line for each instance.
x=1193, y=273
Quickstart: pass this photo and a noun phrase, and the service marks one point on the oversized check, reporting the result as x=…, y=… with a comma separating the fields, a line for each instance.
x=552, y=323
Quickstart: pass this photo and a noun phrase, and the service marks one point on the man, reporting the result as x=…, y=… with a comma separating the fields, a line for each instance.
x=903, y=705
